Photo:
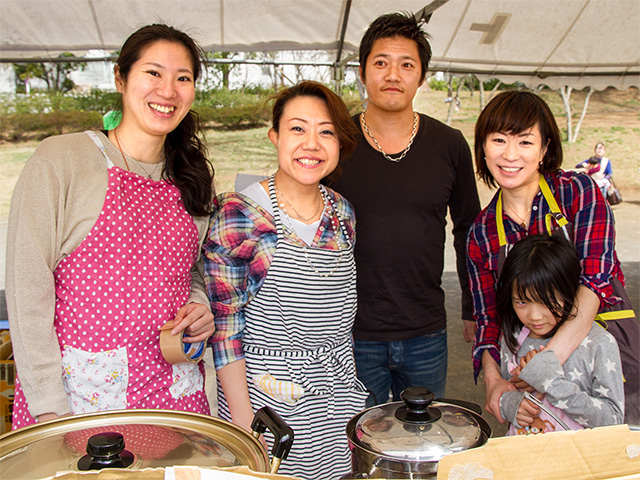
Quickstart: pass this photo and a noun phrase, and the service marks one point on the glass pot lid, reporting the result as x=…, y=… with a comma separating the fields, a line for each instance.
x=418, y=428
x=152, y=438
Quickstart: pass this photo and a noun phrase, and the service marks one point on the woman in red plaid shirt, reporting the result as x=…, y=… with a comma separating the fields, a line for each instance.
x=518, y=149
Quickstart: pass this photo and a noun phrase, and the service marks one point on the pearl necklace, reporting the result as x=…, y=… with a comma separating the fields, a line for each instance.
x=336, y=226
x=148, y=174
x=406, y=150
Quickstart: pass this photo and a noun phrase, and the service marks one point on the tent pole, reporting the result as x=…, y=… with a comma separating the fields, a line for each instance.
x=338, y=76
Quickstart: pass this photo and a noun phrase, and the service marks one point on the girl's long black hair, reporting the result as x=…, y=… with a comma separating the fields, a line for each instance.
x=539, y=268
x=186, y=159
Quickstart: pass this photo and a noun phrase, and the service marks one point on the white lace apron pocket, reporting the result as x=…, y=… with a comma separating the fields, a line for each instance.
x=187, y=380
x=95, y=381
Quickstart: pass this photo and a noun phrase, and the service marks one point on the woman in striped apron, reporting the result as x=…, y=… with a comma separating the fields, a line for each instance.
x=280, y=275
x=518, y=148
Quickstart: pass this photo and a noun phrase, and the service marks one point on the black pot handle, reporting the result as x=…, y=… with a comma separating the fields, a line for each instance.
x=267, y=419
x=461, y=403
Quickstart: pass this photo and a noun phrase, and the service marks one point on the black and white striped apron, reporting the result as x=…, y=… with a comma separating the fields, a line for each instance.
x=298, y=329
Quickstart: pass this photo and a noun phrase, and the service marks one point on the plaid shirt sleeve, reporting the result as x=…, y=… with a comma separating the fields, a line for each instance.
x=594, y=232
x=237, y=255
x=482, y=256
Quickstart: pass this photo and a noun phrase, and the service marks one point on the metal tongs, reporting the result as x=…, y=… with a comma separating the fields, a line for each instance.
x=548, y=411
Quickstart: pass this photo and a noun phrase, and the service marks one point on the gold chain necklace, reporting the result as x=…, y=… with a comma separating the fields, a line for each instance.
x=406, y=150
x=523, y=222
x=148, y=174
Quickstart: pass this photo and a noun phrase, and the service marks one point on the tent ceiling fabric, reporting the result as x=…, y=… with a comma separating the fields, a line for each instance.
x=553, y=42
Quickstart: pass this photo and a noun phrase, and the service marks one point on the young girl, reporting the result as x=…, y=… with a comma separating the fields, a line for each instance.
x=535, y=296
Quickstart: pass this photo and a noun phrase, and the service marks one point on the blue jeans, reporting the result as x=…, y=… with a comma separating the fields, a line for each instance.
x=418, y=362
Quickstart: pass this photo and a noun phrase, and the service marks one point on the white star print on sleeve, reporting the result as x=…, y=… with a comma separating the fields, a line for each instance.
x=589, y=387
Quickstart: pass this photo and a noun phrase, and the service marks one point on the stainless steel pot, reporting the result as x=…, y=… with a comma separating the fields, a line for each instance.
x=139, y=439
x=407, y=439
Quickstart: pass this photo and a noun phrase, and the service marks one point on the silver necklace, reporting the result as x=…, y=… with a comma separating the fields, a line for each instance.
x=148, y=174
x=406, y=150
x=298, y=216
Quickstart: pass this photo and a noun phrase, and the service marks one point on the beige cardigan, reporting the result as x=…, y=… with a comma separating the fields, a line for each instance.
x=56, y=202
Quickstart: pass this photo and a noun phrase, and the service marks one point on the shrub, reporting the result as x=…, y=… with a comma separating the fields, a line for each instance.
x=23, y=126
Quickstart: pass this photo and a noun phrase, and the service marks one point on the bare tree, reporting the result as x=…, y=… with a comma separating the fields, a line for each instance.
x=565, y=93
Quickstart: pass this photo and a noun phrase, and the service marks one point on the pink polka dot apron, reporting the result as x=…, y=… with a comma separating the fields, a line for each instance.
x=128, y=277
x=544, y=422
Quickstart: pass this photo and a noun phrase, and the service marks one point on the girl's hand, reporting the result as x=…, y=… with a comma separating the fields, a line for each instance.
x=196, y=320
x=527, y=412
x=527, y=358
x=515, y=379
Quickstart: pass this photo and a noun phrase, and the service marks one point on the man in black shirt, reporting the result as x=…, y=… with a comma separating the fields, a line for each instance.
x=407, y=170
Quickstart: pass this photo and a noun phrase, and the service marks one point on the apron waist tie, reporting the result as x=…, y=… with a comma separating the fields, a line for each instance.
x=324, y=357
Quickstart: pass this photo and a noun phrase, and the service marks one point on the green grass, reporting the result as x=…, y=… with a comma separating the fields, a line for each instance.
x=612, y=118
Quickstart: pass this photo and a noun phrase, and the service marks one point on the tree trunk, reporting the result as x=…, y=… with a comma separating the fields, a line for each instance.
x=455, y=101
x=584, y=112
x=565, y=93
x=495, y=89
x=481, y=94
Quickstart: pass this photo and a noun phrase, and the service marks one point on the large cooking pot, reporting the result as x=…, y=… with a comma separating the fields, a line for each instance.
x=139, y=439
x=407, y=439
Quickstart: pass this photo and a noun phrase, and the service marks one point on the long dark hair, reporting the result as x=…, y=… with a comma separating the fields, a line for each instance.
x=186, y=158
x=539, y=268
x=513, y=112
x=346, y=131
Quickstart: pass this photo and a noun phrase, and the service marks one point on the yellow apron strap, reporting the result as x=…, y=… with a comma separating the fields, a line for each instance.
x=615, y=315
x=601, y=318
x=549, y=218
x=502, y=237
x=553, y=205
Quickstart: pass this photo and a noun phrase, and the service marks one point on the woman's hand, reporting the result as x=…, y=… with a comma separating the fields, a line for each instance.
x=196, y=320
x=495, y=385
x=469, y=332
x=45, y=417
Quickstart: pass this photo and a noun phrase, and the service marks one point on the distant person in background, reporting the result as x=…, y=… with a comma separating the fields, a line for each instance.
x=103, y=249
x=599, y=168
x=408, y=172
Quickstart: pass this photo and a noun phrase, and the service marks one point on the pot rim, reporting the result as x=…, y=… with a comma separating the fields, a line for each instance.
x=238, y=441
x=483, y=425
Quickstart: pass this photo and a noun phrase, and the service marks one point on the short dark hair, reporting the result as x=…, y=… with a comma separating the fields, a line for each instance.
x=393, y=25
x=513, y=112
x=345, y=128
x=539, y=268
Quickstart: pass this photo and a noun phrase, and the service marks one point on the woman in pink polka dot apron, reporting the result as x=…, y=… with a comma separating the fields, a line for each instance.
x=135, y=269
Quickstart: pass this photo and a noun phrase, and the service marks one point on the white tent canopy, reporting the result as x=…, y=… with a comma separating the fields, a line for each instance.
x=578, y=43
